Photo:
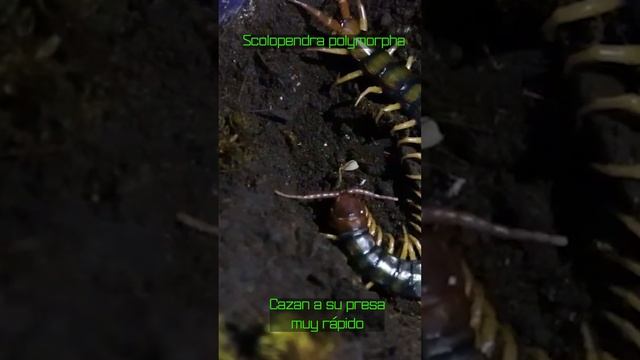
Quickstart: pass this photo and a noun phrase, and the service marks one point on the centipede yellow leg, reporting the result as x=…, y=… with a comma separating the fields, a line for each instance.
x=509, y=347
x=610, y=253
x=589, y=343
x=330, y=237
x=326, y=20
x=412, y=156
x=410, y=140
x=416, y=243
x=619, y=171
x=578, y=11
x=631, y=223
x=333, y=51
x=388, y=108
x=407, y=248
x=410, y=61
x=362, y=16
x=367, y=91
x=350, y=76
x=404, y=126
x=616, y=54
x=628, y=102
x=625, y=326
x=486, y=340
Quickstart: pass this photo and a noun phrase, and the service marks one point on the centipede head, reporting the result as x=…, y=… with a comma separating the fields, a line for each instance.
x=348, y=214
x=347, y=25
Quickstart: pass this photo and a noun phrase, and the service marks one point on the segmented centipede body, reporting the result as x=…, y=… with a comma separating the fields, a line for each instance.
x=394, y=274
x=602, y=62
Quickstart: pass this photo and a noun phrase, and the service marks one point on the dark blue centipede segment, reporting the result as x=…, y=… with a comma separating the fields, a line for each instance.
x=396, y=80
x=602, y=66
x=402, y=277
x=395, y=275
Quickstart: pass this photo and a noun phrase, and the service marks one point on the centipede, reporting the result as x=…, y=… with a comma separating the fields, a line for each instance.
x=458, y=320
x=395, y=80
x=599, y=42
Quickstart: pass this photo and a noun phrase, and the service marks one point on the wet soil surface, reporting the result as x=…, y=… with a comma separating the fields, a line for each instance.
x=284, y=127
x=107, y=117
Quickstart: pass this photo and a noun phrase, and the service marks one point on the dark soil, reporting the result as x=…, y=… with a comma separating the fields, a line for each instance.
x=103, y=140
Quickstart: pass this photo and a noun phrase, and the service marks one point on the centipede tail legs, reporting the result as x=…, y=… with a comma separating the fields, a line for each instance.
x=446, y=328
x=603, y=60
x=461, y=296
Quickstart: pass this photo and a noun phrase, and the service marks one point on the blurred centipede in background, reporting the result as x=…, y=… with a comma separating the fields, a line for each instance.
x=600, y=45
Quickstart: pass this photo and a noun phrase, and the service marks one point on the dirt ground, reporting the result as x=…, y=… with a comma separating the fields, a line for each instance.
x=103, y=140
x=284, y=127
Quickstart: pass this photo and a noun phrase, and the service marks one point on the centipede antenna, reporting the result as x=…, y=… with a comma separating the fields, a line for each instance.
x=367, y=193
x=315, y=196
x=466, y=220
x=335, y=194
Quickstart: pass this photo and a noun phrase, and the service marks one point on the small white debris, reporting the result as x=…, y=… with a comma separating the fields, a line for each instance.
x=452, y=281
x=350, y=165
x=431, y=135
x=455, y=189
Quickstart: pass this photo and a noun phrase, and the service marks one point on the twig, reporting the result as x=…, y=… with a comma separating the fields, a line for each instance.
x=196, y=224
